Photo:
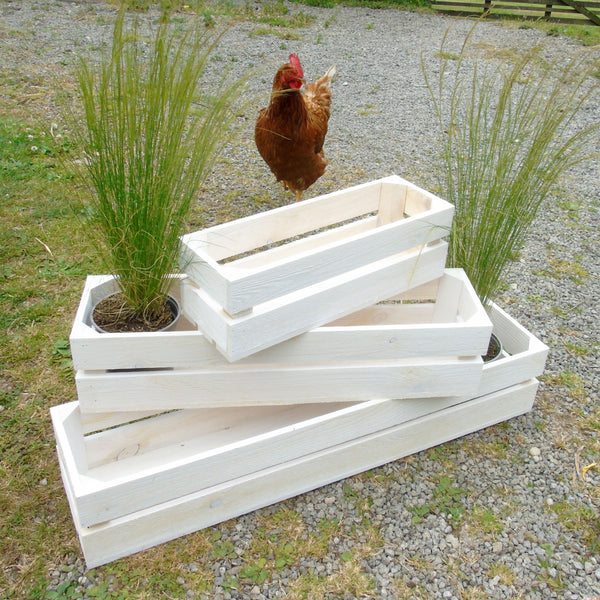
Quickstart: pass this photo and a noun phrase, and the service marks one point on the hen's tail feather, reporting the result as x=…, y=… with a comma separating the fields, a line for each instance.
x=319, y=91
x=330, y=73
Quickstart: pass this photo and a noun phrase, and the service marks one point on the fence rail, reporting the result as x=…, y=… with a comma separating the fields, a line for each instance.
x=586, y=12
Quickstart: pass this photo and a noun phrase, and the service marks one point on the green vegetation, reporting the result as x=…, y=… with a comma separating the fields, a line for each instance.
x=570, y=382
x=588, y=35
x=501, y=152
x=506, y=574
x=581, y=518
x=447, y=500
x=149, y=142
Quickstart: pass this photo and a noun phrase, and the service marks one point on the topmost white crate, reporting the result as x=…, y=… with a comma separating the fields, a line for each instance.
x=253, y=260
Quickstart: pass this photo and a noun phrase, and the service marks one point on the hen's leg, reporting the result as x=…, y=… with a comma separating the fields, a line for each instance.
x=298, y=195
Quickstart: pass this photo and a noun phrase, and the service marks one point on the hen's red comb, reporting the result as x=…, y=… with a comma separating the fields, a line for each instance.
x=295, y=62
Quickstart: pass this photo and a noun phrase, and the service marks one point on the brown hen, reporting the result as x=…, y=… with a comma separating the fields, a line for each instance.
x=290, y=131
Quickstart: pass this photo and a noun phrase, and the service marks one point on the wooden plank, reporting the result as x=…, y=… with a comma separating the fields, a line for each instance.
x=259, y=386
x=279, y=320
x=569, y=11
x=449, y=294
x=392, y=204
x=262, y=229
x=93, y=422
x=310, y=268
x=143, y=529
x=580, y=8
x=297, y=247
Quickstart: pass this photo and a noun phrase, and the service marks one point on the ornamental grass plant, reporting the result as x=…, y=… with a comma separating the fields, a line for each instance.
x=151, y=134
x=506, y=136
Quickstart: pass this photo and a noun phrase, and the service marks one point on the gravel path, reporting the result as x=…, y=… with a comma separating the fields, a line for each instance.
x=511, y=540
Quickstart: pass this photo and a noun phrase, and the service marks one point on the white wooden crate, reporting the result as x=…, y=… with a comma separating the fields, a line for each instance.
x=356, y=247
x=143, y=483
x=397, y=350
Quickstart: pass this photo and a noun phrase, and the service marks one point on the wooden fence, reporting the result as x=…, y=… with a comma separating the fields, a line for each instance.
x=585, y=12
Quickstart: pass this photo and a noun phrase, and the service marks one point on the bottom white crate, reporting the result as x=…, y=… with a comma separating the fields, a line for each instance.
x=160, y=523
x=146, y=482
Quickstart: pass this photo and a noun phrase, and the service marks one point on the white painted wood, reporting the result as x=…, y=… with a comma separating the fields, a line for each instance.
x=262, y=229
x=122, y=461
x=96, y=466
x=264, y=385
x=159, y=459
x=93, y=350
x=379, y=332
x=297, y=247
x=93, y=422
x=449, y=292
x=134, y=532
x=283, y=318
x=527, y=354
x=242, y=284
x=392, y=203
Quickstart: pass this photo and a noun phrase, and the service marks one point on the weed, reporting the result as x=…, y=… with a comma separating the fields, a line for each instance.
x=222, y=550
x=571, y=268
x=494, y=171
x=349, y=581
x=577, y=350
x=282, y=34
x=569, y=381
x=506, y=574
x=61, y=355
x=256, y=573
x=405, y=590
x=447, y=500
x=67, y=590
x=486, y=520
x=580, y=519
x=230, y=583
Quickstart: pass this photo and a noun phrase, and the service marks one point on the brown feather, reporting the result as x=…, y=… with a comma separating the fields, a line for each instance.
x=291, y=130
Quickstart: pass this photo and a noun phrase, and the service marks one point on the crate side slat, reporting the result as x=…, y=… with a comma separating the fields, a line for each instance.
x=261, y=229
x=93, y=422
x=280, y=385
x=281, y=253
x=189, y=432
